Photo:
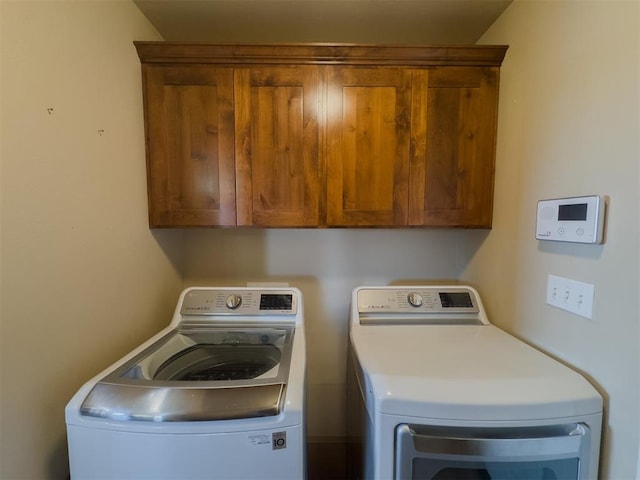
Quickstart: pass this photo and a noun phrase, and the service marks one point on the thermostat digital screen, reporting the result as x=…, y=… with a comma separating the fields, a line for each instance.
x=572, y=212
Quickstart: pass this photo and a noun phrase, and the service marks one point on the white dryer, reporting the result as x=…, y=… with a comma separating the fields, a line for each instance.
x=217, y=394
x=436, y=392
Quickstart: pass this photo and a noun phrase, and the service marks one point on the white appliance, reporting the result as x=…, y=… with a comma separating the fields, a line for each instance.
x=437, y=392
x=217, y=394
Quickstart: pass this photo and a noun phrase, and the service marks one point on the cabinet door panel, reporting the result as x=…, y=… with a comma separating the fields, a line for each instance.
x=278, y=170
x=367, y=146
x=190, y=158
x=452, y=167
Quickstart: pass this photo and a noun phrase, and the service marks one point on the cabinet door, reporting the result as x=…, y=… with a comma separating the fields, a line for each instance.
x=368, y=135
x=453, y=138
x=277, y=160
x=190, y=158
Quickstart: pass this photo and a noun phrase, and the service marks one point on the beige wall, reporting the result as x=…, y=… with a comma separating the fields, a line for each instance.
x=569, y=125
x=83, y=279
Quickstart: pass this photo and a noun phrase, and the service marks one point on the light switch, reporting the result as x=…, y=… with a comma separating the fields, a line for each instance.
x=570, y=295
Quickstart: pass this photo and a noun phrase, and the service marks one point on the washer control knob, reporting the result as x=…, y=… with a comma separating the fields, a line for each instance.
x=233, y=301
x=414, y=299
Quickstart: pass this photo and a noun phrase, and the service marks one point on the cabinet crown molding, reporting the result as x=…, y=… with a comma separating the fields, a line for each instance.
x=321, y=54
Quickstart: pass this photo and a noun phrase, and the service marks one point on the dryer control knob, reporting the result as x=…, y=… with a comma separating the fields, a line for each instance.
x=414, y=299
x=233, y=301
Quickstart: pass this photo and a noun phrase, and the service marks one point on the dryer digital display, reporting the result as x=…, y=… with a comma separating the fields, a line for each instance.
x=455, y=300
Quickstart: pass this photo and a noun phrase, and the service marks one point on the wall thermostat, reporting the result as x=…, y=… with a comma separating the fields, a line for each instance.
x=574, y=219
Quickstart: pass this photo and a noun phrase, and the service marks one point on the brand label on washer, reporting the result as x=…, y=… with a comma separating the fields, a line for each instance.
x=278, y=440
x=259, y=439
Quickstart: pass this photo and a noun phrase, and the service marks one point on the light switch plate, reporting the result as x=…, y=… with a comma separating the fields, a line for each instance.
x=570, y=295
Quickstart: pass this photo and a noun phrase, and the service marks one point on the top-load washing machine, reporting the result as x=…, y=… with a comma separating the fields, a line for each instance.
x=437, y=392
x=217, y=394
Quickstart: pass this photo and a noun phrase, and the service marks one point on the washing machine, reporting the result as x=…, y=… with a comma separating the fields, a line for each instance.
x=217, y=394
x=435, y=392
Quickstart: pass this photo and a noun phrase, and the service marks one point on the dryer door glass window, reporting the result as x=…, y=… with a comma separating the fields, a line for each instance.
x=556, y=452
x=432, y=469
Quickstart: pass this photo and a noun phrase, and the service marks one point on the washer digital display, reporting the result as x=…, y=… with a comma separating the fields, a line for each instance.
x=276, y=301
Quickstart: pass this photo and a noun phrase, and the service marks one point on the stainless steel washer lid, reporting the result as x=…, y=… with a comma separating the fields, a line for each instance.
x=166, y=404
x=199, y=374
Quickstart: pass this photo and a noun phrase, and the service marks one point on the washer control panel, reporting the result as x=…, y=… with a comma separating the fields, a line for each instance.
x=421, y=300
x=239, y=302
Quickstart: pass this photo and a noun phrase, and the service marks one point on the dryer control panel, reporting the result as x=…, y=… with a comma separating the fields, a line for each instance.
x=414, y=300
x=418, y=305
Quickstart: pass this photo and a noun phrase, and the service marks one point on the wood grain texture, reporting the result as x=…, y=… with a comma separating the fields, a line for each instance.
x=368, y=146
x=277, y=156
x=190, y=158
x=321, y=54
x=315, y=135
x=452, y=177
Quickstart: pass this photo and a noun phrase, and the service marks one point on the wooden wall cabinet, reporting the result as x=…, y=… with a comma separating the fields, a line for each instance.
x=320, y=135
x=277, y=137
x=190, y=145
x=454, y=133
x=368, y=144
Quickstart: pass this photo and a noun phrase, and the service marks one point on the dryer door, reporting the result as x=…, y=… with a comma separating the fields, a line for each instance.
x=528, y=453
